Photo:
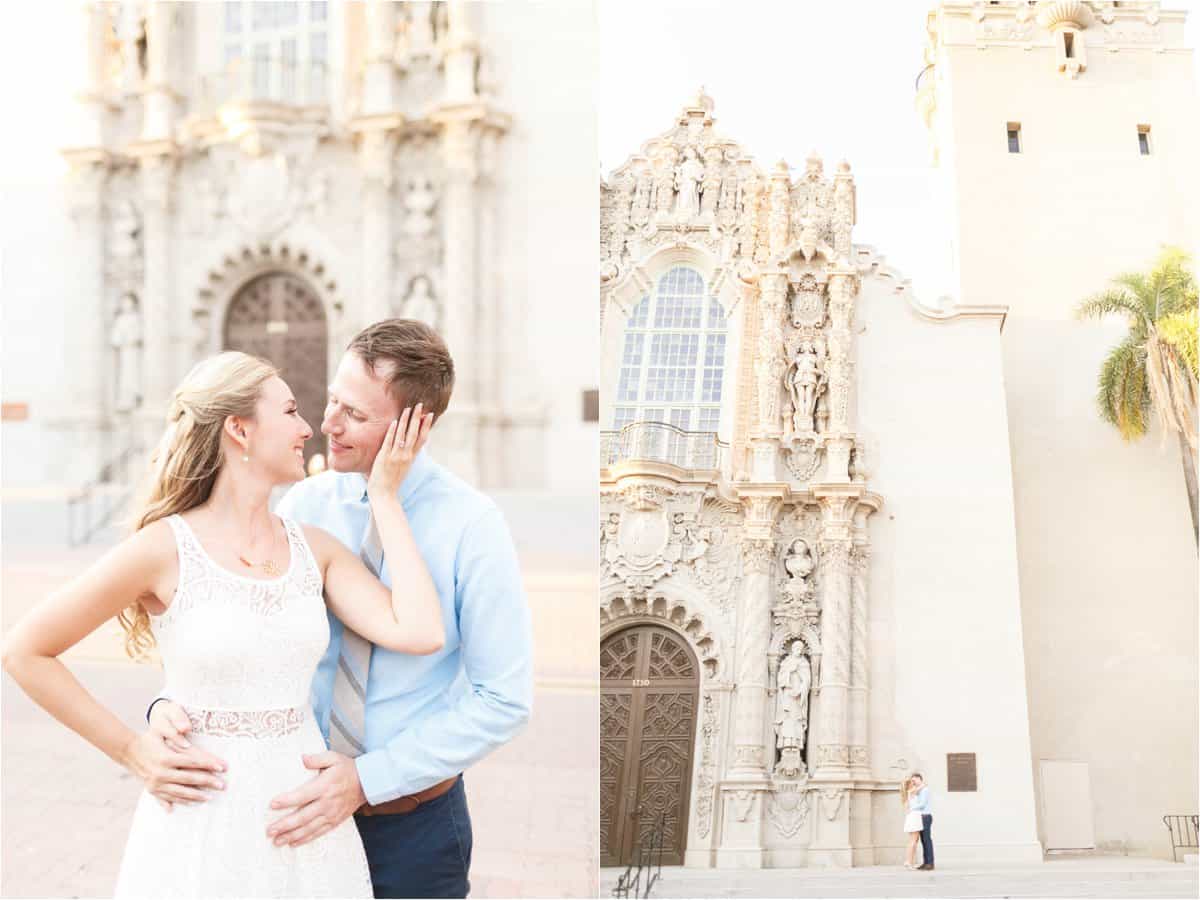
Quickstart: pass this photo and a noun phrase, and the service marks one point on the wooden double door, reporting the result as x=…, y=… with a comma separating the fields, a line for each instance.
x=279, y=317
x=649, y=693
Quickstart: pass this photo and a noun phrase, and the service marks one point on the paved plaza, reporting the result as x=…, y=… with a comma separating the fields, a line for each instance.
x=1097, y=876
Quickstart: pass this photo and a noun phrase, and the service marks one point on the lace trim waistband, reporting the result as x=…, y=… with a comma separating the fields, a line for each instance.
x=254, y=723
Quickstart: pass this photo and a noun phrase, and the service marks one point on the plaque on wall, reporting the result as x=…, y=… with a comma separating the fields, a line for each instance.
x=960, y=772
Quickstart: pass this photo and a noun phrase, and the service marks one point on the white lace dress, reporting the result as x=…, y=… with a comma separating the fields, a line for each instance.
x=239, y=655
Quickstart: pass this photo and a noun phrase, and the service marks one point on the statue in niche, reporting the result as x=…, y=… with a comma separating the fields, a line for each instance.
x=688, y=176
x=420, y=303
x=805, y=384
x=710, y=188
x=822, y=418
x=799, y=565
x=126, y=338
x=644, y=187
x=420, y=199
x=791, y=709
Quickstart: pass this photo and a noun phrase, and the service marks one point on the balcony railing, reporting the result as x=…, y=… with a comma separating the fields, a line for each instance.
x=659, y=442
x=284, y=82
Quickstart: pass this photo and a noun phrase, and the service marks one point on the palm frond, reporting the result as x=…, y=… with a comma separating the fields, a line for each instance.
x=1105, y=303
x=1122, y=395
x=1172, y=391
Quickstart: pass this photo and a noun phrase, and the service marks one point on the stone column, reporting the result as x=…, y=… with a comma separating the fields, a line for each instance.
x=158, y=97
x=769, y=369
x=379, y=75
x=832, y=758
x=744, y=791
x=778, y=223
x=857, y=713
x=162, y=366
x=458, y=442
x=496, y=332
x=84, y=381
x=839, y=366
x=753, y=637
x=376, y=126
x=375, y=151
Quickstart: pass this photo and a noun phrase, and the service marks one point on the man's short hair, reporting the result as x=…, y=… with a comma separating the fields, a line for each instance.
x=412, y=357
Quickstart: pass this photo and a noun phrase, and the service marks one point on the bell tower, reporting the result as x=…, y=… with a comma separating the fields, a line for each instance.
x=1065, y=134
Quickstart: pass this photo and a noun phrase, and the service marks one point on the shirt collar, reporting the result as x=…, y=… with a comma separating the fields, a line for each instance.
x=419, y=471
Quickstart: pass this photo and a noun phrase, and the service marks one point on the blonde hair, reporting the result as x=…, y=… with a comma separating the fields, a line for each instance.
x=184, y=465
x=905, y=790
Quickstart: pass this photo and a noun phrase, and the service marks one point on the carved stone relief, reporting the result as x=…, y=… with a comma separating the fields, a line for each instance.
x=788, y=811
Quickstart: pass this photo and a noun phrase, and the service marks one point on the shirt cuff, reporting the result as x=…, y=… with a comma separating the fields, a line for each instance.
x=375, y=776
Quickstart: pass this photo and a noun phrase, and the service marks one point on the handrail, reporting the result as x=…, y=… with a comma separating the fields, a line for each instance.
x=1185, y=833
x=645, y=859
x=660, y=442
x=82, y=522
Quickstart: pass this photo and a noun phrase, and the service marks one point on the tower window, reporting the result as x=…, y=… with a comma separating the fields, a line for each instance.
x=591, y=405
x=1144, y=140
x=1014, y=137
x=1069, y=44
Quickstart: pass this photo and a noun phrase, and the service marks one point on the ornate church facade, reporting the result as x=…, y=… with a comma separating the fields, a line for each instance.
x=271, y=177
x=747, y=602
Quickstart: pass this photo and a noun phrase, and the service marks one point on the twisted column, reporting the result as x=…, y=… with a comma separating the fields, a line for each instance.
x=753, y=637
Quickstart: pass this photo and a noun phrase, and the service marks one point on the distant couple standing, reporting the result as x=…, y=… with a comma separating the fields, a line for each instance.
x=918, y=821
x=382, y=608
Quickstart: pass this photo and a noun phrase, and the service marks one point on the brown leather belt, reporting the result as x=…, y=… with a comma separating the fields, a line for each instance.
x=404, y=805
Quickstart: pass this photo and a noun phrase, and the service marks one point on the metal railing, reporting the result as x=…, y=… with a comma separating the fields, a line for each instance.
x=646, y=863
x=265, y=80
x=659, y=442
x=1183, y=833
x=93, y=506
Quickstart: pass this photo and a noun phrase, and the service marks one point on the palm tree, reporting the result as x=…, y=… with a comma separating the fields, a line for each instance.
x=1152, y=373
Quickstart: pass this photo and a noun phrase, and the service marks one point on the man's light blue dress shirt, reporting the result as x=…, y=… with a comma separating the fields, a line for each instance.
x=921, y=803
x=431, y=717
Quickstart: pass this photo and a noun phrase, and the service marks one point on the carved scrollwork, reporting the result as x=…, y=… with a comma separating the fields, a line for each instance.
x=788, y=811
x=706, y=780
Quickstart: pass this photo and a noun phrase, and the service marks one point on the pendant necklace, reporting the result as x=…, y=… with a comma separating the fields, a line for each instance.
x=267, y=565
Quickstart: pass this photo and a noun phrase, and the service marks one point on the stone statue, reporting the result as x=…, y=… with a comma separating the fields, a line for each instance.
x=711, y=185
x=804, y=385
x=126, y=338
x=688, y=176
x=791, y=708
x=420, y=303
x=644, y=187
x=420, y=198
x=799, y=567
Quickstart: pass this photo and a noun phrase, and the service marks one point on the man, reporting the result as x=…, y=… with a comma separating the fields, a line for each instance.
x=423, y=720
x=922, y=806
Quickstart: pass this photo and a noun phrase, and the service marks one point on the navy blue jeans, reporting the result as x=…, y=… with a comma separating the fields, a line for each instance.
x=426, y=853
x=926, y=839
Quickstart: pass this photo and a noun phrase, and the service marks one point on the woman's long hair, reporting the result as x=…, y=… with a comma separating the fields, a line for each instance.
x=905, y=790
x=184, y=465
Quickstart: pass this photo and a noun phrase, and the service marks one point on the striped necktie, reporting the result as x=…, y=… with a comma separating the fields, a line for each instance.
x=347, y=720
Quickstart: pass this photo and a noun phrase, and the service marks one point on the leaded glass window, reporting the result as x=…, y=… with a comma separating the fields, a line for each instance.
x=673, y=356
x=277, y=50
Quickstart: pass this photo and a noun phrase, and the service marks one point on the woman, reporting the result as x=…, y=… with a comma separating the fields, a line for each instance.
x=236, y=599
x=912, y=822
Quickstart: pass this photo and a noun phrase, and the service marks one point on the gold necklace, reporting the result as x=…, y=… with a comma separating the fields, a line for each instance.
x=267, y=565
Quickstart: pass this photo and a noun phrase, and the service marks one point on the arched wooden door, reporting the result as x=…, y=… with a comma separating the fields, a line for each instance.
x=649, y=690
x=279, y=317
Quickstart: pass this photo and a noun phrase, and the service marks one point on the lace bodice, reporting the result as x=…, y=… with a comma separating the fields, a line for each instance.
x=234, y=643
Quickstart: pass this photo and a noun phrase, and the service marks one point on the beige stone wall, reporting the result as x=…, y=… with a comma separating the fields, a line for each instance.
x=1107, y=558
x=947, y=668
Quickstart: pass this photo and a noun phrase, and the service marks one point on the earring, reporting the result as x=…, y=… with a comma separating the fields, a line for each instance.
x=245, y=457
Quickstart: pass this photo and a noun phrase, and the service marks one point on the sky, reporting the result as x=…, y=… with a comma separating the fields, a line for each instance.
x=789, y=78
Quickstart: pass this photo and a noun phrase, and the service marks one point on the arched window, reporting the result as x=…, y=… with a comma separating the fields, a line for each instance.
x=673, y=361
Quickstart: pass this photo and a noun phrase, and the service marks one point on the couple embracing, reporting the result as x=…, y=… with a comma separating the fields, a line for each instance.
x=380, y=610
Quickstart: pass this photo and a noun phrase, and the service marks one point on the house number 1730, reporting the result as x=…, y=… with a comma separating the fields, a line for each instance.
x=641, y=682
